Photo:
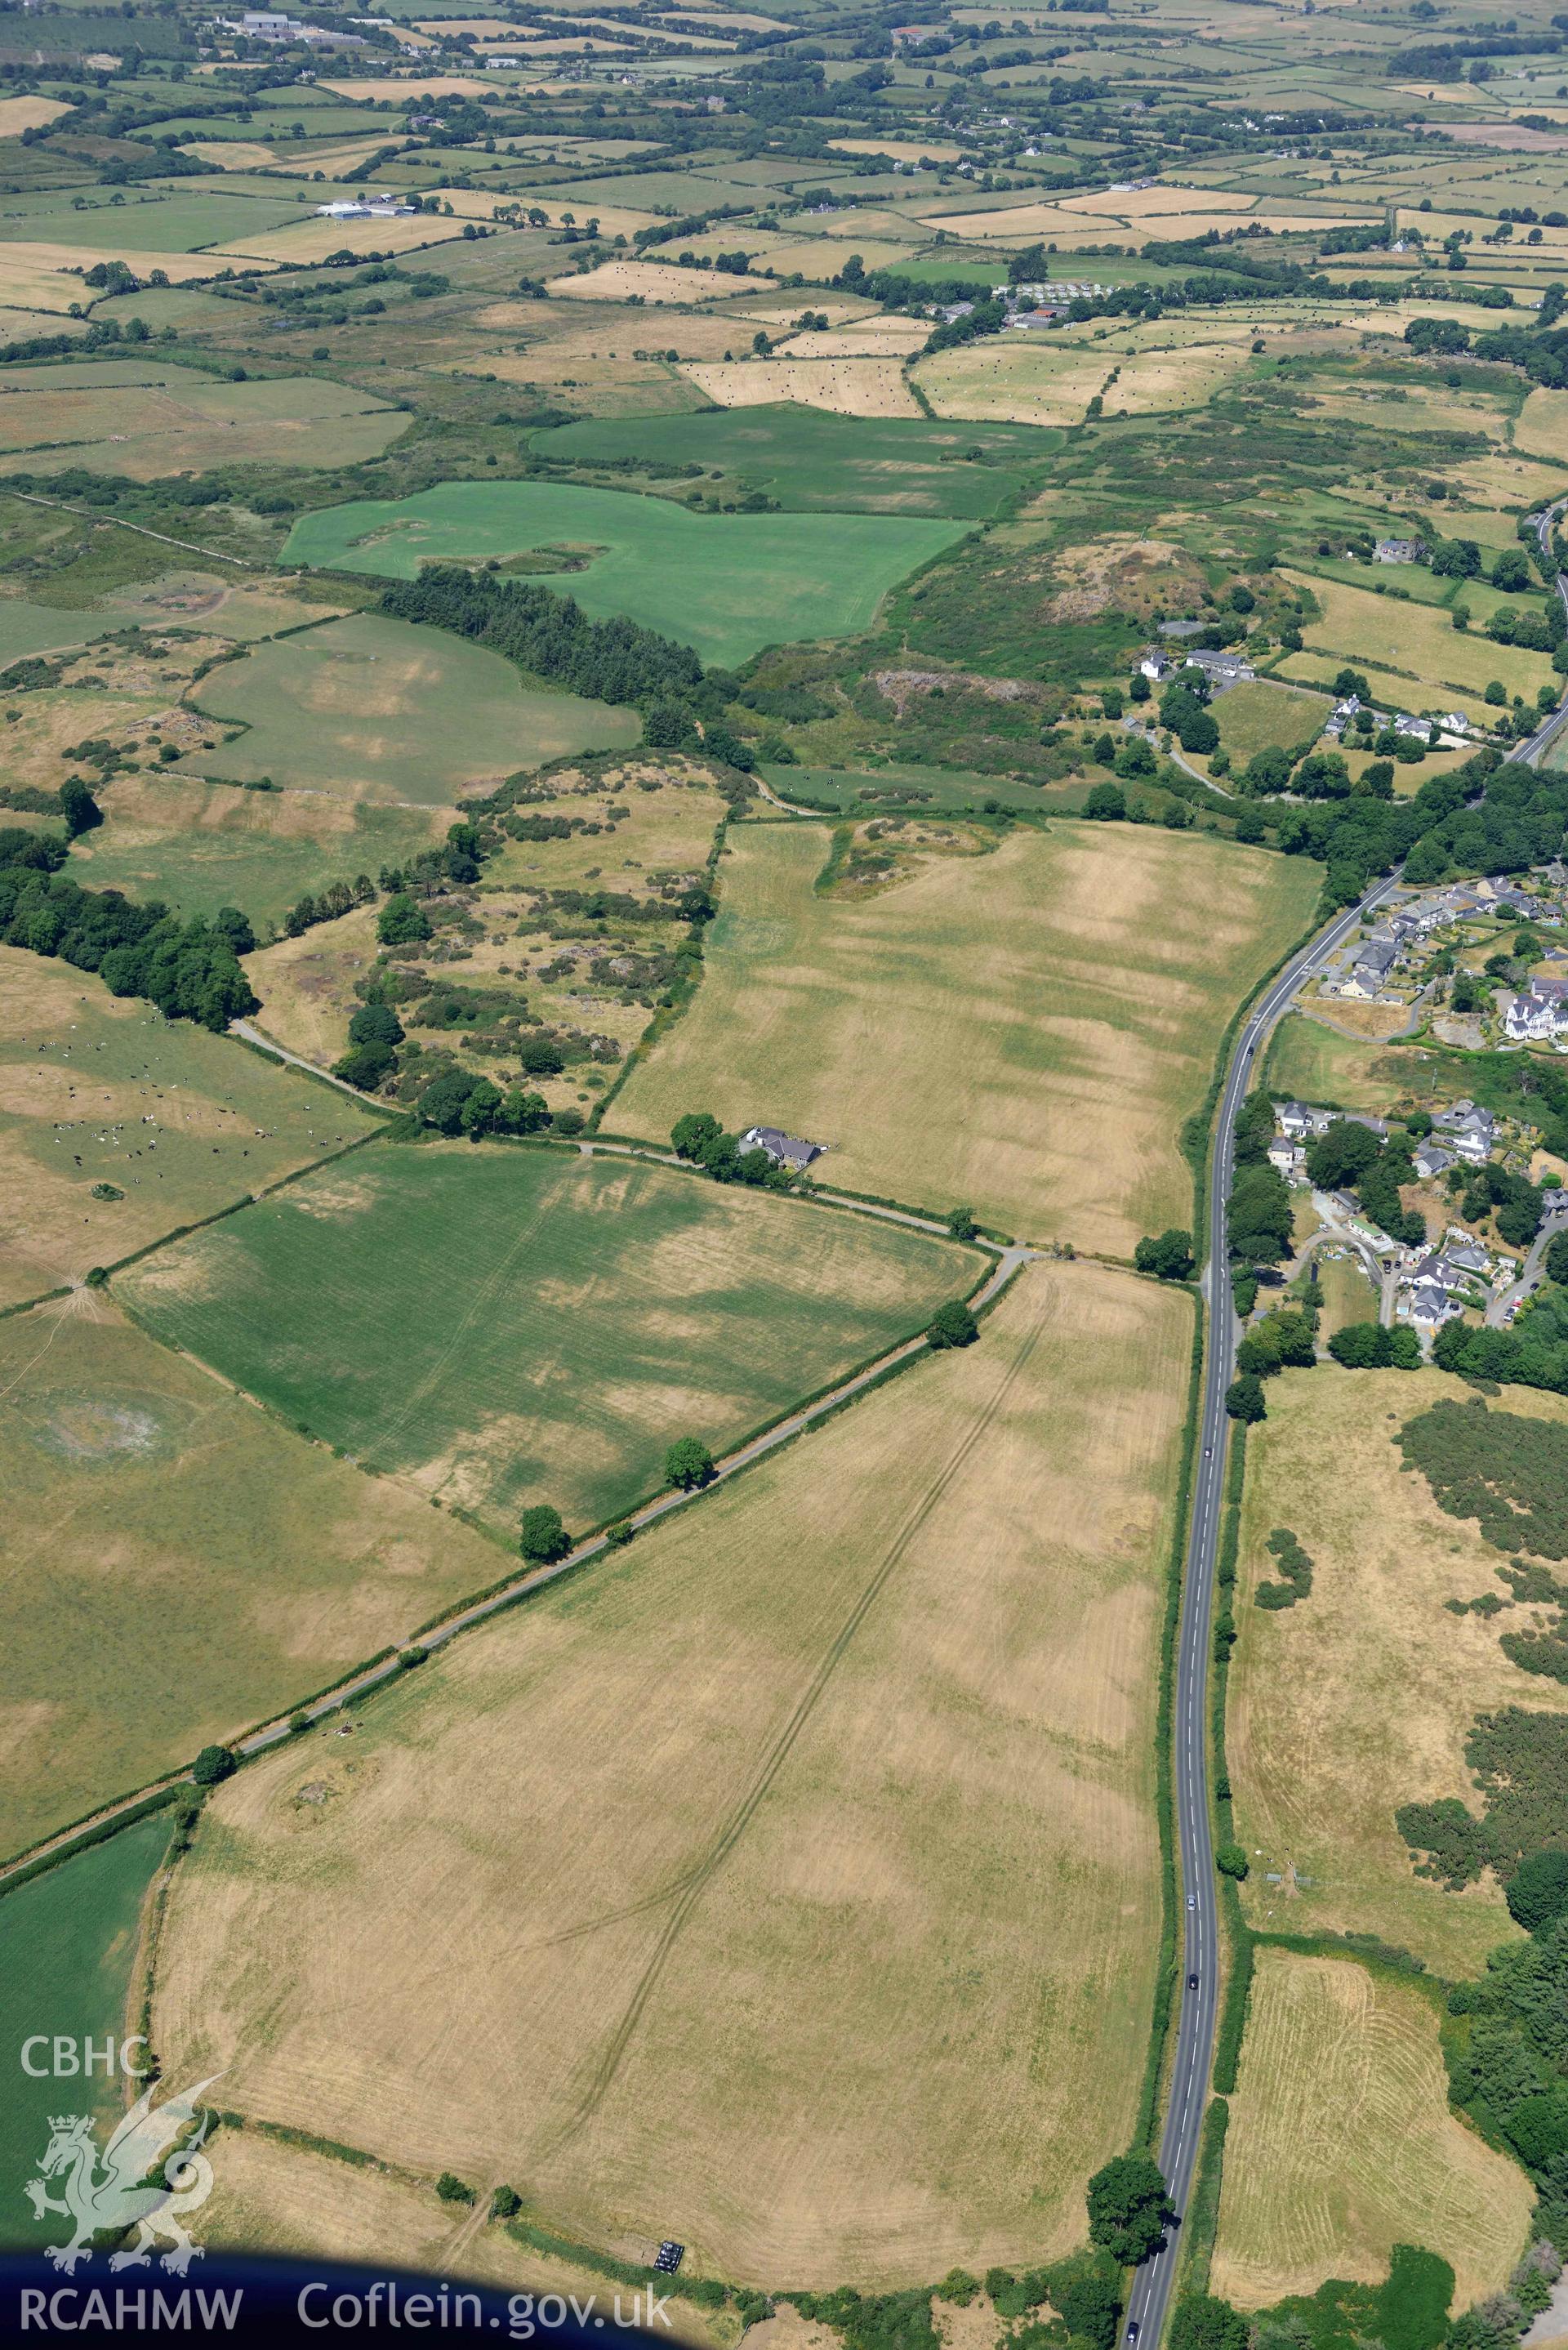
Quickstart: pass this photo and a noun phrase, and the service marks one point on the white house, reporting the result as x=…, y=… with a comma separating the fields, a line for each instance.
x=1470, y=1131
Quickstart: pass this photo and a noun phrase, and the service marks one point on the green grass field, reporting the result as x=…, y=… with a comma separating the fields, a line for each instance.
x=38, y=628
x=165, y=223
x=1318, y=1064
x=67, y=1945
x=553, y=1321
x=1023, y=1031
x=97, y=1089
x=380, y=709
x=726, y=584
x=202, y=845
x=812, y=462
x=1255, y=717
x=878, y=790
x=178, y=1566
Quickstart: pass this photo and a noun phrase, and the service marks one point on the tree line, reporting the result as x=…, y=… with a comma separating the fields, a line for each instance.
x=607, y=660
x=189, y=969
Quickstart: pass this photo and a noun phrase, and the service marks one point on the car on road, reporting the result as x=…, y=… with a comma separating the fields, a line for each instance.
x=1192, y=1900
x=1132, y=2331
x=1192, y=1982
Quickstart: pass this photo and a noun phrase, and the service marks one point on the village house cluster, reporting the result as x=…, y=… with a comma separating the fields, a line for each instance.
x=1431, y=1284
x=1392, y=962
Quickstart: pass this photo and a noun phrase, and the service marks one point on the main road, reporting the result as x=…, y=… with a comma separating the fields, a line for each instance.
x=1552, y=725
x=1199, y=2012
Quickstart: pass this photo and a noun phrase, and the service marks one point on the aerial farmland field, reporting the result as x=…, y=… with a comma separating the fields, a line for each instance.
x=145, y=421
x=103, y=1091
x=210, y=1569
x=727, y=583
x=374, y=708
x=819, y=1811
x=579, y=1314
x=578, y=580
x=1341, y=2143
x=200, y=846
x=810, y=462
x=1414, y=642
x=1360, y=1699
x=1053, y=1035
x=67, y=1947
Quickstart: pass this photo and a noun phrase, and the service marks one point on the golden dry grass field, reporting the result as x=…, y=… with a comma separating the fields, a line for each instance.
x=1071, y=224
x=614, y=219
x=1342, y=2145
x=894, y=338
x=1024, y=1031
x=1360, y=1697
x=390, y=91
x=1540, y=427
x=817, y=259
x=240, y=154
x=1023, y=381
x=280, y=2200
x=900, y=151
x=656, y=281
x=174, y=1565
x=40, y=276
x=798, y=1865
x=19, y=114
x=848, y=387
x=1050, y=378
x=1415, y=642
x=97, y=1089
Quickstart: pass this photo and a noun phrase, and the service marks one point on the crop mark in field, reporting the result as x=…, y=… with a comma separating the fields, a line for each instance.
x=488, y=1291
x=686, y=1890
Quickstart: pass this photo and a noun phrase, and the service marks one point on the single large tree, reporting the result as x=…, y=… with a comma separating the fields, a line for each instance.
x=952, y=1325
x=691, y=1133
x=689, y=1463
x=1169, y=1254
x=544, y=1538
x=1129, y=2208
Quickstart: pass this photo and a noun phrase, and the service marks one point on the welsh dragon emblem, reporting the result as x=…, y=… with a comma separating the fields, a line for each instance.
x=112, y=2192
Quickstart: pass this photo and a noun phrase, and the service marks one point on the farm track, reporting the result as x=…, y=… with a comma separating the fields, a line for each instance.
x=114, y=522
x=688, y=1890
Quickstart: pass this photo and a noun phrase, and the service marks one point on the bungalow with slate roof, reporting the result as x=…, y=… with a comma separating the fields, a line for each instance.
x=784, y=1149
